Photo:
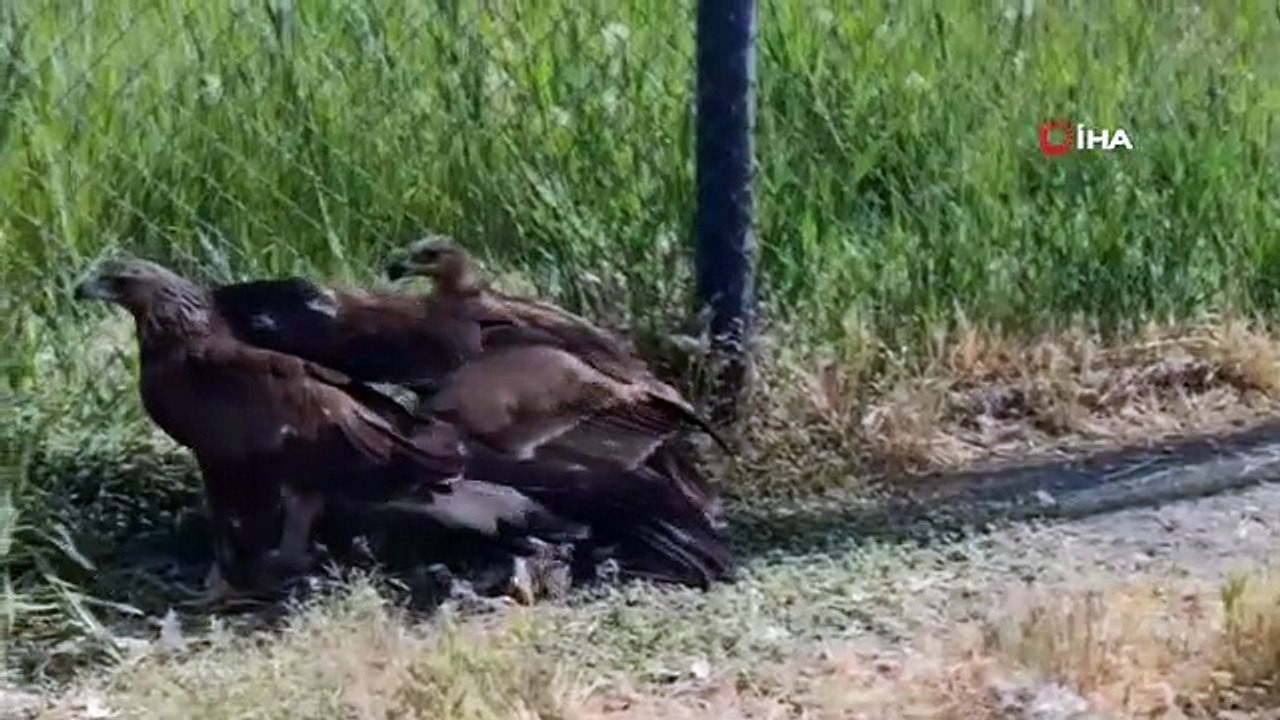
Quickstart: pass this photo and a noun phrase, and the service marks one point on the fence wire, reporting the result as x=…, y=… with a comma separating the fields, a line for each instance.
x=259, y=136
x=898, y=181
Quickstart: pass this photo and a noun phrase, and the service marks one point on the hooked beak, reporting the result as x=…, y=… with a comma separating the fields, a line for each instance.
x=93, y=288
x=409, y=267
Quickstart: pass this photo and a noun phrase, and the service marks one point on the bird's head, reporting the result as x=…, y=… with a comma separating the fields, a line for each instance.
x=147, y=290
x=436, y=257
x=130, y=282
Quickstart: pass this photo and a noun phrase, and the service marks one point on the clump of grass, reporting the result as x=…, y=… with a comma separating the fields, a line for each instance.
x=977, y=396
x=1139, y=647
x=42, y=572
x=348, y=656
x=1252, y=632
x=985, y=398
x=1145, y=649
x=53, y=498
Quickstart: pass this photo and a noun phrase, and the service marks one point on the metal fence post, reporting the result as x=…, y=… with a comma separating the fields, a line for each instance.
x=725, y=241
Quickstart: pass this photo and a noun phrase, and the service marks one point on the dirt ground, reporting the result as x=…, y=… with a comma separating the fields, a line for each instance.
x=1084, y=603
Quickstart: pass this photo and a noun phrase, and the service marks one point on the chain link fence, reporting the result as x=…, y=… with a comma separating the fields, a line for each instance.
x=258, y=136
x=263, y=137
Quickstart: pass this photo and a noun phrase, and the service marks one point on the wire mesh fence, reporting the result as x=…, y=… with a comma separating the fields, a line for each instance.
x=266, y=136
x=898, y=183
x=897, y=171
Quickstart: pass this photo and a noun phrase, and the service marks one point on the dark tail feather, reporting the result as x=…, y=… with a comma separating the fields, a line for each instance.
x=656, y=529
x=696, y=420
x=666, y=552
x=675, y=459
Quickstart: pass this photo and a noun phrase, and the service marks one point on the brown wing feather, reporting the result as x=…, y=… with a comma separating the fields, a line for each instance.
x=530, y=399
x=517, y=399
x=601, y=349
x=676, y=459
x=657, y=532
x=230, y=401
x=371, y=336
x=535, y=322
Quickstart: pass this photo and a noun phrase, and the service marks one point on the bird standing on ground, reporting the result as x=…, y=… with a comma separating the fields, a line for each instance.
x=561, y=379
x=265, y=426
x=552, y=385
x=537, y=393
x=514, y=373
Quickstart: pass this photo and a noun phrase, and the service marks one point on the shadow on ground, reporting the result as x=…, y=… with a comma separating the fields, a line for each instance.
x=165, y=566
x=946, y=505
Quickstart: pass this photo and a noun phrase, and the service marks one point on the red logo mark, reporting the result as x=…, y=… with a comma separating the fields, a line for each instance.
x=1048, y=146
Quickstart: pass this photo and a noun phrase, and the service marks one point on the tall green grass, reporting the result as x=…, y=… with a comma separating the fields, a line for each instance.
x=899, y=183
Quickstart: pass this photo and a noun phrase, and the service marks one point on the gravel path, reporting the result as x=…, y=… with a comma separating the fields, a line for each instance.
x=892, y=590
x=1203, y=538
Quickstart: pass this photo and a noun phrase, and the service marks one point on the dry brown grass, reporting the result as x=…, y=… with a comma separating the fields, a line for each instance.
x=353, y=658
x=982, y=397
x=1143, y=648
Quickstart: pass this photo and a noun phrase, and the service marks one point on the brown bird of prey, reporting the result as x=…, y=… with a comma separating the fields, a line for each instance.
x=636, y=516
x=260, y=421
x=515, y=374
x=550, y=377
x=459, y=286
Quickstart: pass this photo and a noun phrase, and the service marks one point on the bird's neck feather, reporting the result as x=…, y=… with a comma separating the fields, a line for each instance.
x=175, y=315
x=463, y=282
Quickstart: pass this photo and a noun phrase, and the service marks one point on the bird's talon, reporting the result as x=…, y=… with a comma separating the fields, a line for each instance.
x=520, y=585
